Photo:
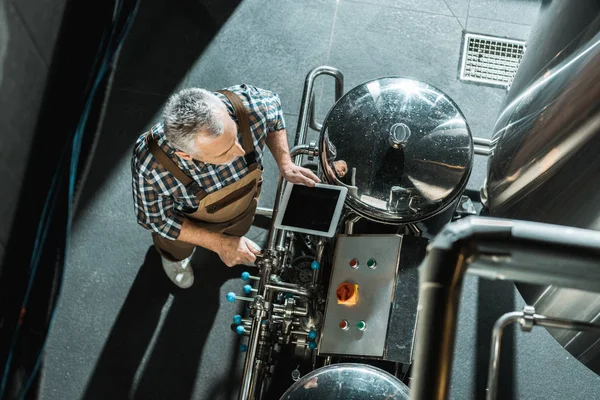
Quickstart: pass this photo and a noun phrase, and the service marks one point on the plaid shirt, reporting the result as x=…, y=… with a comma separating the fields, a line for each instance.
x=160, y=200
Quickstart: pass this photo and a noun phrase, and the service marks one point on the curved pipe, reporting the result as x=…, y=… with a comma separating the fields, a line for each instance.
x=306, y=117
x=497, y=249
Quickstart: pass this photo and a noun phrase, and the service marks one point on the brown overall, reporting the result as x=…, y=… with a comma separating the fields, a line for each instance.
x=229, y=210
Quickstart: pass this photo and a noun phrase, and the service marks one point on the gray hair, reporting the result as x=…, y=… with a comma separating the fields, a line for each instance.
x=187, y=113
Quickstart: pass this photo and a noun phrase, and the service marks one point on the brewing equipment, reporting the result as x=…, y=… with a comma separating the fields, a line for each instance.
x=347, y=306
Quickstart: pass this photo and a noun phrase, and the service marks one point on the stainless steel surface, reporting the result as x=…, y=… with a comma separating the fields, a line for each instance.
x=347, y=382
x=298, y=292
x=267, y=212
x=482, y=142
x=305, y=116
x=489, y=59
x=482, y=151
x=247, y=390
x=494, y=367
x=313, y=121
x=496, y=249
x=527, y=319
x=402, y=147
x=374, y=297
x=545, y=162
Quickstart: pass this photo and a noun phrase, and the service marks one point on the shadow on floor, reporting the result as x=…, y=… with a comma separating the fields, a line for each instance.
x=164, y=43
x=495, y=298
x=155, y=346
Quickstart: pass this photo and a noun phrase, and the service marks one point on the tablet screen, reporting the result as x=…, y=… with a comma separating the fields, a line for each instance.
x=311, y=208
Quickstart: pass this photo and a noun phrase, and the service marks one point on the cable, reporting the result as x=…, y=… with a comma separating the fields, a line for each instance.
x=107, y=61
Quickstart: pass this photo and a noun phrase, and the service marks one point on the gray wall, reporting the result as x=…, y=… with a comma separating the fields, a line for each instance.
x=28, y=31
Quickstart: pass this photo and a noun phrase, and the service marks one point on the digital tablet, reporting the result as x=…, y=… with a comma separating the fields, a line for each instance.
x=313, y=210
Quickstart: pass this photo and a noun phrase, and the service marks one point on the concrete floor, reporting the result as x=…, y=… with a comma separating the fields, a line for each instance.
x=122, y=330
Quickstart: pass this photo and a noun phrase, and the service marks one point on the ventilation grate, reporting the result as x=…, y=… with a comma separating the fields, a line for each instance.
x=491, y=60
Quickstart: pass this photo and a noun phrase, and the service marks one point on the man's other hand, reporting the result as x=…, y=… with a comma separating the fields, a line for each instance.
x=237, y=250
x=299, y=175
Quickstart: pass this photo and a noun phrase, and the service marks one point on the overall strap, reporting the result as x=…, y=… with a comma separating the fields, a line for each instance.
x=164, y=160
x=244, y=123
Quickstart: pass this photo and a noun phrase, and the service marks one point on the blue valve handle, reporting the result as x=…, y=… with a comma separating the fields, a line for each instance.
x=249, y=289
x=237, y=319
x=243, y=348
x=240, y=329
x=312, y=345
x=315, y=265
x=231, y=297
x=312, y=334
x=246, y=276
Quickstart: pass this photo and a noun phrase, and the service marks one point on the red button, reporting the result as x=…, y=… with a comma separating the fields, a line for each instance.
x=343, y=324
x=354, y=263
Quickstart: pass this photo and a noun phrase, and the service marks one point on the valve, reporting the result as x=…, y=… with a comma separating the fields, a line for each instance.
x=249, y=289
x=312, y=345
x=315, y=265
x=246, y=276
x=237, y=319
x=240, y=329
x=312, y=334
x=231, y=297
x=243, y=348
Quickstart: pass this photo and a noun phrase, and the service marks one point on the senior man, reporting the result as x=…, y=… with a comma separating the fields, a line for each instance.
x=197, y=174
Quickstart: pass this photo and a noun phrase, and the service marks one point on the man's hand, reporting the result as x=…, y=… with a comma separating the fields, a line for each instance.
x=237, y=250
x=299, y=175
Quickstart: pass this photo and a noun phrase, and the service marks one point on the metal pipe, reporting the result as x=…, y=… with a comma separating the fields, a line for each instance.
x=514, y=250
x=482, y=142
x=301, y=333
x=317, y=273
x=497, y=332
x=559, y=323
x=275, y=279
x=247, y=380
x=257, y=379
x=298, y=292
x=305, y=115
x=349, y=229
x=313, y=118
x=536, y=319
x=482, y=151
x=266, y=212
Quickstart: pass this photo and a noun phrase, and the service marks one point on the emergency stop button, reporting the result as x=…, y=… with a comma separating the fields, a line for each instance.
x=347, y=294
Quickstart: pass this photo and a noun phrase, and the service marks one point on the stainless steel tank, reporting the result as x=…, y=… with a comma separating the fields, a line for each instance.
x=401, y=147
x=347, y=382
x=545, y=165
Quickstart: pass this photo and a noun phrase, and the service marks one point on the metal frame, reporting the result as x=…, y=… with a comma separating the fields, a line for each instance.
x=527, y=319
x=496, y=249
x=275, y=254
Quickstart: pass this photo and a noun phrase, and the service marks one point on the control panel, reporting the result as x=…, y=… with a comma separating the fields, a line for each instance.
x=360, y=295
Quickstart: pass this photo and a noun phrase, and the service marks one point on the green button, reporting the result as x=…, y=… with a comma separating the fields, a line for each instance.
x=361, y=325
x=371, y=263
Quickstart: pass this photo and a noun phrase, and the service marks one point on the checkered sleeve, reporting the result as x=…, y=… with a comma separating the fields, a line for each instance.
x=275, y=119
x=270, y=106
x=153, y=210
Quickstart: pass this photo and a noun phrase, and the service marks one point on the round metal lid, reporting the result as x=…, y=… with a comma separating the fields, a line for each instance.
x=347, y=382
x=402, y=147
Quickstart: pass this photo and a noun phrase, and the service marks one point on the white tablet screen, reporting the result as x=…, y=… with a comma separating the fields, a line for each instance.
x=311, y=208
